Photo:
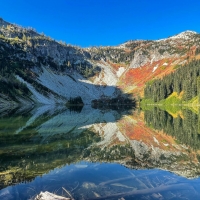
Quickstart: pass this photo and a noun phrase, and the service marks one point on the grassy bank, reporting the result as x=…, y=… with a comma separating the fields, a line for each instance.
x=172, y=104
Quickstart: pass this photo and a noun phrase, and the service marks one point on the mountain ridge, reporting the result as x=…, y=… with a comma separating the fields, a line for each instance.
x=93, y=73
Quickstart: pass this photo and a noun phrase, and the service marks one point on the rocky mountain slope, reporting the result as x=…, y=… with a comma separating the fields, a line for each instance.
x=37, y=69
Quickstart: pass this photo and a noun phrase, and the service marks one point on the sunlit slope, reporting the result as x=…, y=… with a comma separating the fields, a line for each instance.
x=37, y=69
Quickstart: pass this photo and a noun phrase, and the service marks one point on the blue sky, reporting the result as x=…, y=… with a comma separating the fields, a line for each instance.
x=104, y=22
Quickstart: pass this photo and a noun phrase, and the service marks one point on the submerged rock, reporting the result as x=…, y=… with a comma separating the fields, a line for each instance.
x=49, y=196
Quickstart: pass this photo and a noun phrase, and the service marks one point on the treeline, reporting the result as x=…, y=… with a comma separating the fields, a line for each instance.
x=186, y=130
x=119, y=103
x=13, y=88
x=184, y=79
x=9, y=85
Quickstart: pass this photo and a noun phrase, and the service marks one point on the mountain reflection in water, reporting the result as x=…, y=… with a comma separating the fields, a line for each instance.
x=92, y=153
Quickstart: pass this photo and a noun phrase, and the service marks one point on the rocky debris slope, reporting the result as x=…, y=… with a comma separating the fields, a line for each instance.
x=54, y=71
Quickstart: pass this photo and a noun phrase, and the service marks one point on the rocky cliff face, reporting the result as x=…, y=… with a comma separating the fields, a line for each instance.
x=38, y=69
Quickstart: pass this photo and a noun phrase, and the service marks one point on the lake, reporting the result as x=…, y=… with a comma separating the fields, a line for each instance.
x=108, y=153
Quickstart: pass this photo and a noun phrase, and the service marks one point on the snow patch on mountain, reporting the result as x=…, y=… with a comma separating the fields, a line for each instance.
x=154, y=69
x=165, y=64
x=184, y=35
x=120, y=71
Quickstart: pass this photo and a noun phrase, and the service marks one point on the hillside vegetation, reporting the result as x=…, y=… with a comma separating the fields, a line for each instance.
x=35, y=68
x=184, y=82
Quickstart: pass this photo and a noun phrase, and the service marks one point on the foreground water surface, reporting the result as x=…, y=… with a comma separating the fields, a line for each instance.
x=117, y=153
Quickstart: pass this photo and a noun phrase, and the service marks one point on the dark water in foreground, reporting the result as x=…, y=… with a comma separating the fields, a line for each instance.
x=99, y=154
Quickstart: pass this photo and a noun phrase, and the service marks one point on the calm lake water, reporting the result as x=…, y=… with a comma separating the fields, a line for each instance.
x=100, y=154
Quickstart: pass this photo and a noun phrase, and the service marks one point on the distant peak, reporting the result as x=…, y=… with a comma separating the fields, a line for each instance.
x=184, y=35
x=188, y=31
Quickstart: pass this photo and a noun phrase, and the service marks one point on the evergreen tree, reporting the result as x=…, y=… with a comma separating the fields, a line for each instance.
x=183, y=79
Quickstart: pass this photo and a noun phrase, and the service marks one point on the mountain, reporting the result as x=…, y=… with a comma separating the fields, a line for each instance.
x=37, y=69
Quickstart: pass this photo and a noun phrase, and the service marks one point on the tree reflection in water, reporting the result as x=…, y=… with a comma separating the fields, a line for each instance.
x=34, y=143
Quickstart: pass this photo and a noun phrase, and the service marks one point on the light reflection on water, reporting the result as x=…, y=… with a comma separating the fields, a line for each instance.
x=44, y=149
x=107, y=181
